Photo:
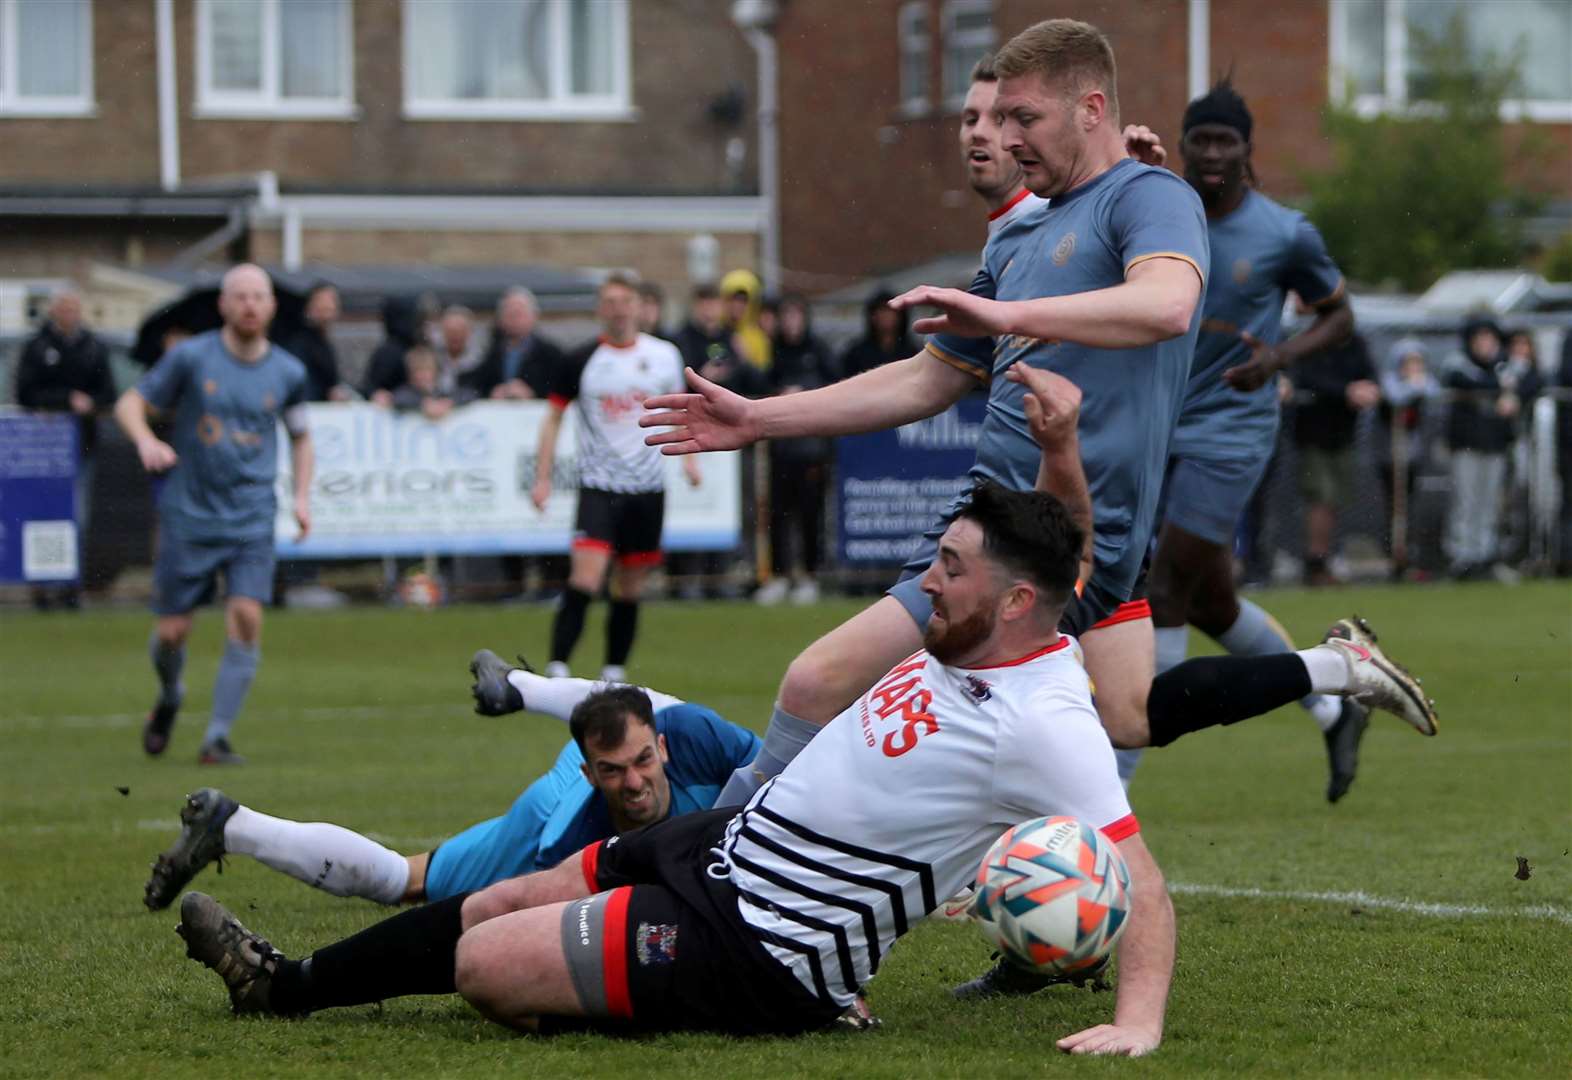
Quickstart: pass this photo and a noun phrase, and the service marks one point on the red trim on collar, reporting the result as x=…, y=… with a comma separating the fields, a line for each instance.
x=1007, y=207
x=610, y=344
x=1044, y=651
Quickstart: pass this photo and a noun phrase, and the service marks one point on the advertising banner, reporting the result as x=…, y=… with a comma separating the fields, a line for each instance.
x=393, y=483
x=38, y=463
x=895, y=485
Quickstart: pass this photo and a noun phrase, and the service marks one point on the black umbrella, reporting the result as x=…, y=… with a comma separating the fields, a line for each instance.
x=197, y=312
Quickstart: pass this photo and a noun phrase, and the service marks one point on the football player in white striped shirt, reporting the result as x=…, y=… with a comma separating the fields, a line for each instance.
x=772, y=919
x=622, y=482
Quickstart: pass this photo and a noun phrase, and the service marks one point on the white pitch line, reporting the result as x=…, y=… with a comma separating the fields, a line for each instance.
x=1382, y=903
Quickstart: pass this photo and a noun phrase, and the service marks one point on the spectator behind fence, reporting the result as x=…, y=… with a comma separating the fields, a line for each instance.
x=1563, y=556
x=311, y=344
x=518, y=363
x=1334, y=387
x=744, y=293
x=799, y=468
x=1490, y=389
x=709, y=347
x=652, y=301
x=406, y=321
x=884, y=337
x=1408, y=392
x=64, y=368
x=423, y=387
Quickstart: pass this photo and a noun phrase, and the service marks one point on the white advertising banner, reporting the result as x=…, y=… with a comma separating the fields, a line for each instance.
x=395, y=483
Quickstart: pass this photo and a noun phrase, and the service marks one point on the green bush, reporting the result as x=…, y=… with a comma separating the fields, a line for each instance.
x=1414, y=194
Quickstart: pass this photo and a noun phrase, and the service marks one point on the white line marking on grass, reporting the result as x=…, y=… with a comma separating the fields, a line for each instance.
x=1383, y=903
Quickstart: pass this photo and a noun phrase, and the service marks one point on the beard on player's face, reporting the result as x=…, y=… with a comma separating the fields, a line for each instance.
x=948, y=642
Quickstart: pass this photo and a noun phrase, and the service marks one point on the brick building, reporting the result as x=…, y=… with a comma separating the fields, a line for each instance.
x=616, y=133
x=871, y=91
x=376, y=131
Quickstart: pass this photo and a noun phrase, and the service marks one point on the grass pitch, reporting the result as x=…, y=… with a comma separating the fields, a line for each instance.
x=1386, y=935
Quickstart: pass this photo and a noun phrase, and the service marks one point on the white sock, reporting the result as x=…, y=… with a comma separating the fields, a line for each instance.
x=559, y=697
x=614, y=673
x=1327, y=667
x=327, y=857
x=1324, y=709
x=557, y=670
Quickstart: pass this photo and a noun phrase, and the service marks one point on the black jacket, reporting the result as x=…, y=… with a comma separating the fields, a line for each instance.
x=1325, y=421
x=541, y=359
x=699, y=347
x=865, y=353
x=401, y=320
x=807, y=364
x=312, y=348
x=1471, y=422
x=50, y=367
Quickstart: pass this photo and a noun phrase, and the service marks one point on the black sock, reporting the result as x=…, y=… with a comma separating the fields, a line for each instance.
x=1211, y=690
x=568, y=624
x=621, y=625
x=409, y=953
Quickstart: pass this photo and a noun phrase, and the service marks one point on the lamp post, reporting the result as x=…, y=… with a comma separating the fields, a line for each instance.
x=756, y=19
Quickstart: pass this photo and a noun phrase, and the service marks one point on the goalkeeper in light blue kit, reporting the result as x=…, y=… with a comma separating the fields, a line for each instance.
x=1227, y=428
x=637, y=756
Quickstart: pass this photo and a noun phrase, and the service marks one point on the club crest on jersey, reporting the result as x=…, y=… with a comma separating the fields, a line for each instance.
x=978, y=689
x=1241, y=271
x=656, y=944
x=1064, y=249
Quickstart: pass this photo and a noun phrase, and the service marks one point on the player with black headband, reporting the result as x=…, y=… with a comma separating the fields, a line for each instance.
x=1224, y=438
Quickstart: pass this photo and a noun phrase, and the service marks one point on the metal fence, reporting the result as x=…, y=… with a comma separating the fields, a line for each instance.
x=117, y=549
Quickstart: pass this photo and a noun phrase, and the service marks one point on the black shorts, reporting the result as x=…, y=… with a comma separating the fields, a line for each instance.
x=1093, y=609
x=627, y=524
x=661, y=945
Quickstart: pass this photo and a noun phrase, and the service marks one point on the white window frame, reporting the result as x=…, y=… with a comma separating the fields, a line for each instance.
x=913, y=36
x=1394, y=76
x=953, y=9
x=562, y=105
x=269, y=102
x=13, y=103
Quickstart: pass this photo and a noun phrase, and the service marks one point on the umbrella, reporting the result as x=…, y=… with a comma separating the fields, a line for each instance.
x=197, y=312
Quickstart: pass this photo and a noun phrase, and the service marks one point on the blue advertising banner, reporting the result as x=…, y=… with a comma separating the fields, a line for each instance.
x=895, y=485
x=38, y=461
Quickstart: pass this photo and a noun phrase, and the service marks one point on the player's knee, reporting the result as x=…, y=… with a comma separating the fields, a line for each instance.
x=1212, y=614
x=1123, y=713
x=477, y=974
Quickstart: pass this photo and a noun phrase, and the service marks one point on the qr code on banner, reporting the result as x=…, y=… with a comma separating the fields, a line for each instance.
x=49, y=550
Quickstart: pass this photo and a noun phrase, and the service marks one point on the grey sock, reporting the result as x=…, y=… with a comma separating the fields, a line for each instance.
x=168, y=662
x=783, y=740
x=1256, y=633
x=235, y=672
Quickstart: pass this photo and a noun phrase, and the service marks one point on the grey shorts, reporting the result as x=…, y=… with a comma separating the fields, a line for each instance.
x=1207, y=496
x=185, y=573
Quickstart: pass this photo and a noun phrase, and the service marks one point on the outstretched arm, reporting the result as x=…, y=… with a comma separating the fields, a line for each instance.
x=1146, y=965
x=711, y=417
x=1155, y=302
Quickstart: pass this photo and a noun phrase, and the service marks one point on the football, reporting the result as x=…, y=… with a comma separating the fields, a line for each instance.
x=1052, y=895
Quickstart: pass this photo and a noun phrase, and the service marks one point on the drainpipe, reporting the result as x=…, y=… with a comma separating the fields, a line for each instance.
x=168, y=104
x=756, y=19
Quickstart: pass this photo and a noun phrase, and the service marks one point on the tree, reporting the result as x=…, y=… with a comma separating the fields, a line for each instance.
x=1416, y=193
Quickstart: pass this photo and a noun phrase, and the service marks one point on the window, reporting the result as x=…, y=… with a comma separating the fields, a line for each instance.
x=1375, y=60
x=271, y=58
x=516, y=59
x=46, y=57
x=916, y=67
x=968, y=34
